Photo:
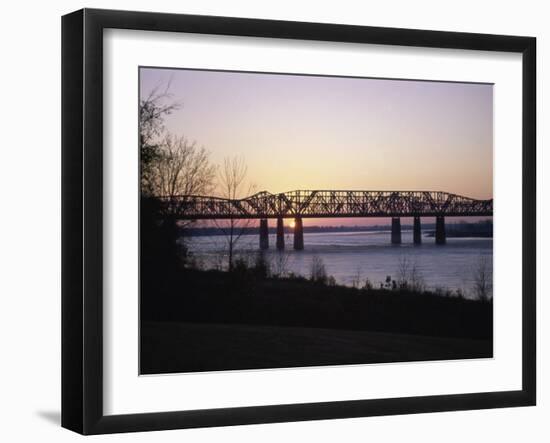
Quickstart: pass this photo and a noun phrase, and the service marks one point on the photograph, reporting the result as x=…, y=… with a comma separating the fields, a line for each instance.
x=300, y=220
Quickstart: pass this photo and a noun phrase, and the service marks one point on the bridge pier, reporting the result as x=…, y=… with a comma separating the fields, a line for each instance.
x=298, y=234
x=396, y=230
x=417, y=231
x=264, y=234
x=440, y=235
x=280, y=234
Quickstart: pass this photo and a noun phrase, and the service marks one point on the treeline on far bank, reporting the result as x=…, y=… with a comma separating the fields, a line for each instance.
x=250, y=296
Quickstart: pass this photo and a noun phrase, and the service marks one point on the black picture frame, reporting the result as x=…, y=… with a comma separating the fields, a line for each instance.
x=82, y=218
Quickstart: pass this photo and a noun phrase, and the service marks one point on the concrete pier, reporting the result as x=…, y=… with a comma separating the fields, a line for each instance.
x=440, y=236
x=396, y=231
x=298, y=234
x=264, y=234
x=280, y=234
x=417, y=231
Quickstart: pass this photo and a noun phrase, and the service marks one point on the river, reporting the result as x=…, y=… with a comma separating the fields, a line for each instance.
x=353, y=257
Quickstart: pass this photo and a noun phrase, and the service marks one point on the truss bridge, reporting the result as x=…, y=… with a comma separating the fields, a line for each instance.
x=330, y=203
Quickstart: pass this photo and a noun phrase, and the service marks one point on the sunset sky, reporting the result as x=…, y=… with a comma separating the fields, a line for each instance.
x=306, y=132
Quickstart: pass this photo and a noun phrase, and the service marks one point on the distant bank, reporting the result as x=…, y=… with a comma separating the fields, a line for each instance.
x=481, y=229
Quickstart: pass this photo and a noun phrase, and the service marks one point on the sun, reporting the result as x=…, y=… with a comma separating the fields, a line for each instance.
x=292, y=224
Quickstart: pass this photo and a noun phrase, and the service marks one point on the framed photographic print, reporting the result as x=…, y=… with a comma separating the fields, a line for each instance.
x=269, y=221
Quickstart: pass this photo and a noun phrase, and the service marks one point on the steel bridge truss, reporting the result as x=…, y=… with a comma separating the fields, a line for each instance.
x=319, y=204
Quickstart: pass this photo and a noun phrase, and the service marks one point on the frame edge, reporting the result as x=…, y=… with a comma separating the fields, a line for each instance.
x=72, y=104
x=529, y=220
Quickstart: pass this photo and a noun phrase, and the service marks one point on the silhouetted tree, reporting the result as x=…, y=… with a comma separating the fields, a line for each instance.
x=356, y=278
x=483, y=279
x=232, y=185
x=403, y=272
x=170, y=166
x=318, y=272
x=261, y=266
x=152, y=110
x=180, y=168
x=279, y=263
x=409, y=275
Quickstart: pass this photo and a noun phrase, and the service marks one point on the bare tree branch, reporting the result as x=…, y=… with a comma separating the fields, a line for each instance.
x=483, y=279
x=152, y=111
x=232, y=185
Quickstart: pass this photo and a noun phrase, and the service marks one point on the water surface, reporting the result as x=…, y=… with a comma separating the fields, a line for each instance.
x=352, y=257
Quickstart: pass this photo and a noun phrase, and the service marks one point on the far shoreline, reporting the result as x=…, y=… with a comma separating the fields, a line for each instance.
x=481, y=229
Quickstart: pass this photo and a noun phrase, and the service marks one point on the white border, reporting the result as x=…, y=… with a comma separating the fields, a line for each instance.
x=126, y=392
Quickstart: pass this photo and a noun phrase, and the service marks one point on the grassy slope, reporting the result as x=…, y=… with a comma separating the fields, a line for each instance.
x=221, y=298
x=211, y=320
x=186, y=347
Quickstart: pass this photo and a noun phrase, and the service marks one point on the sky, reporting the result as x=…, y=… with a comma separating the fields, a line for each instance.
x=318, y=132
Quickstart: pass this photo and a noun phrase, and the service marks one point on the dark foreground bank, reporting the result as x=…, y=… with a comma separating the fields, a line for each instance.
x=169, y=347
x=212, y=320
